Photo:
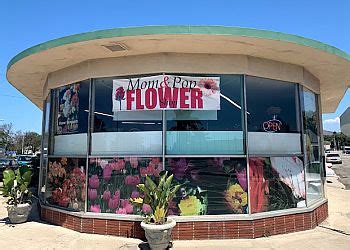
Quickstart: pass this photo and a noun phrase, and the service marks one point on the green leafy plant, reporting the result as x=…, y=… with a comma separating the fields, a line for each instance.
x=157, y=194
x=16, y=185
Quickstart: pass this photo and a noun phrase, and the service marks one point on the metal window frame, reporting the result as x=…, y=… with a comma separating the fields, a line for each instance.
x=245, y=138
x=302, y=135
x=44, y=118
x=89, y=130
x=321, y=144
x=302, y=89
x=51, y=137
x=164, y=156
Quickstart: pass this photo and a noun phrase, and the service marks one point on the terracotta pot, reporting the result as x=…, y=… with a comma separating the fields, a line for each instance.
x=158, y=236
x=19, y=213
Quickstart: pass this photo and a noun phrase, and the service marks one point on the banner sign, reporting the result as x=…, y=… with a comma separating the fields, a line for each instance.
x=166, y=92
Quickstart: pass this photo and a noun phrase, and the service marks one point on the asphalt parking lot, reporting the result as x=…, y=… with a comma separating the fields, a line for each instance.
x=343, y=170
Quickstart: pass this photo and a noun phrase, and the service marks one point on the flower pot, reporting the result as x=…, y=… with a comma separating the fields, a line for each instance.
x=158, y=236
x=19, y=213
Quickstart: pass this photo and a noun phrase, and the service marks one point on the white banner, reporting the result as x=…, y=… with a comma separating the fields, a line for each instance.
x=166, y=92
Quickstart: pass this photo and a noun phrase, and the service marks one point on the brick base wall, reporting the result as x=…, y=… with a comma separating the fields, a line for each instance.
x=195, y=230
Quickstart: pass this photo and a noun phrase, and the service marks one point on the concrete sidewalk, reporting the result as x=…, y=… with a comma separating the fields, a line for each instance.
x=332, y=234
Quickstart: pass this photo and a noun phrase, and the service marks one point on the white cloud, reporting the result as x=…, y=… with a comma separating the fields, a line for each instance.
x=332, y=121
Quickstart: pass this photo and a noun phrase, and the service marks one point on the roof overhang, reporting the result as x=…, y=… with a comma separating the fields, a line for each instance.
x=28, y=71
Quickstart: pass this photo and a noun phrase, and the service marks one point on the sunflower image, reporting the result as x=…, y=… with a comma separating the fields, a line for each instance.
x=236, y=198
x=190, y=206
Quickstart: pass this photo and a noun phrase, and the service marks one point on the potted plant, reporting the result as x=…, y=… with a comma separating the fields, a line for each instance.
x=157, y=195
x=16, y=188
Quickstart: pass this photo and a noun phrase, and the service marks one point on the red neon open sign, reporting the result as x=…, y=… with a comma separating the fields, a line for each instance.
x=272, y=126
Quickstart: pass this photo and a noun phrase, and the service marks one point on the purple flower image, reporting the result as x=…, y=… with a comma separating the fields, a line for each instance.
x=94, y=182
x=117, y=194
x=106, y=195
x=95, y=208
x=92, y=194
x=113, y=203
x=107, y=172
x=135, y=194
x=180, y=168
x=146, y=209
x=127, y=206
x=121, y=211
x=132, y=180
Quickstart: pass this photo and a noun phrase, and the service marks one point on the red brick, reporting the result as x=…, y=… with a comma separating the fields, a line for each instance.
x=195, y=230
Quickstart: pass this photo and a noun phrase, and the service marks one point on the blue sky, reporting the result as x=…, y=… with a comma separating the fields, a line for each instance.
x=27, y=23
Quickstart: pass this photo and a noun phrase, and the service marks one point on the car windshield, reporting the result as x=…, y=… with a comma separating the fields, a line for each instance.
x=333, y=155
x=24, y=158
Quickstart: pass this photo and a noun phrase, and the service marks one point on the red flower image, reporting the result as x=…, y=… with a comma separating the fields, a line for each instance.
x=119, y=93
x=60, y=198
x=119, y=96
x=151, y=170
x=67, y=182
x=259, y=187
x=208, y=86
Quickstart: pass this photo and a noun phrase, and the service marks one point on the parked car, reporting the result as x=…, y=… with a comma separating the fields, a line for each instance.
x=346, y=150
x=24, y=160
x=333, y=158
x=4, y=164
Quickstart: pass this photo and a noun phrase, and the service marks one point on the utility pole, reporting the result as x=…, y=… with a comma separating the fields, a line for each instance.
x=335, y=142
x=23, y=144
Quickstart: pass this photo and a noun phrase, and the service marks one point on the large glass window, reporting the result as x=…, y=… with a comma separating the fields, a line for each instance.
x=272, y=117
x=66, y=183
x=123, y=132
x=313, y=161
x=212, y=131
x=72, y=109
x=276, y=183
x=199, y=148
x=112, y=182
x=210, y=186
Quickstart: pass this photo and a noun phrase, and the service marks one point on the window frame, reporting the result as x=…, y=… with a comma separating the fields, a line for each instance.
x=246, y=155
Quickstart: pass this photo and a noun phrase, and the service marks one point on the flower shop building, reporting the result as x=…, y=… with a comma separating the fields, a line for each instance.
x=233, y=113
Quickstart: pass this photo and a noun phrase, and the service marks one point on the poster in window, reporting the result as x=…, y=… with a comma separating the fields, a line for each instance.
x=68, y=109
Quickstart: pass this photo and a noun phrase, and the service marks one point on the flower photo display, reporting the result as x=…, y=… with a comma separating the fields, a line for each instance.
x=66, y=182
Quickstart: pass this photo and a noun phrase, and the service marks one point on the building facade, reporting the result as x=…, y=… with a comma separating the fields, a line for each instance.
x=234, y=114
x=345, y=122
